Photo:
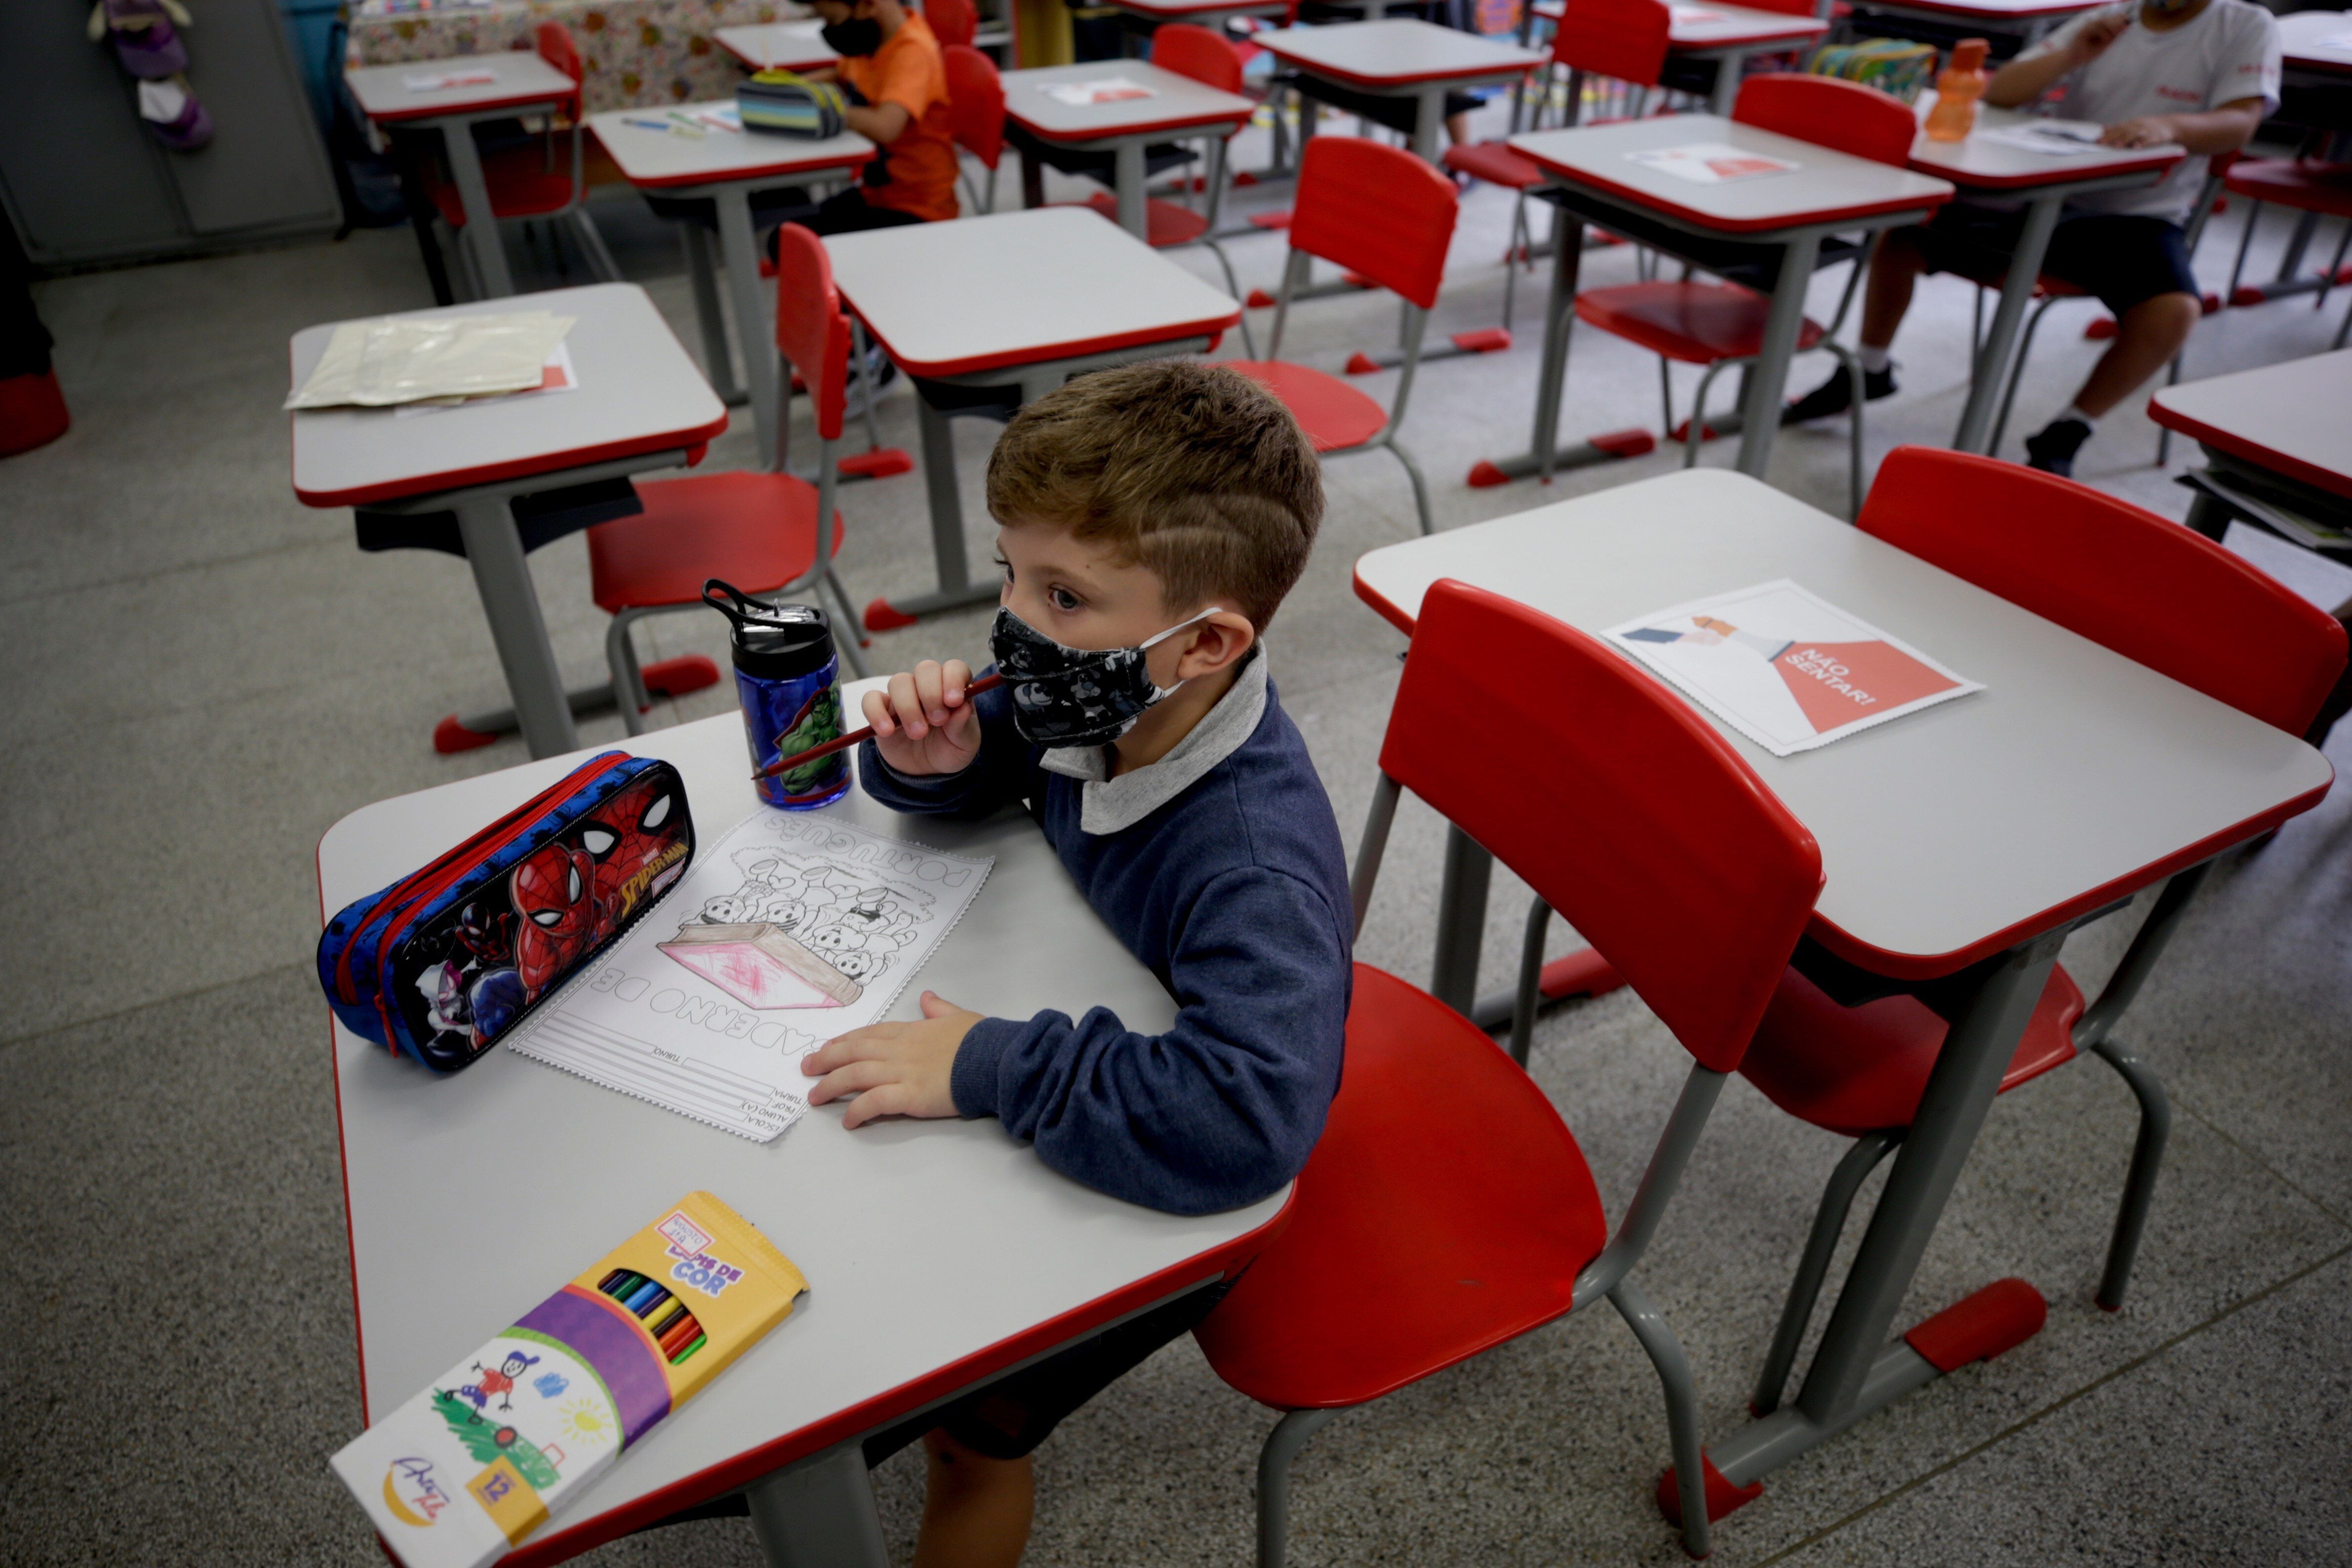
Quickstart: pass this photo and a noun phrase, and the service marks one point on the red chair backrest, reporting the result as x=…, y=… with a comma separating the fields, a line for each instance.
x=1829, y=113
x=975, y=103
x=810, y=327
x=1786, y=7
x=1375, y=210
x=953, y=21
x=1196, y=52
x=2149, y=589
x=1622, y=38
x=557, y=48
x=1622, y=808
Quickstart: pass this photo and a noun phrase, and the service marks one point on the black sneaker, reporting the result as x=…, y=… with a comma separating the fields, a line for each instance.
x=1835, y=395
x=2052, y=449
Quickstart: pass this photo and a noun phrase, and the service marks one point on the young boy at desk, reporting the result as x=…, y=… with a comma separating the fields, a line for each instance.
x=1152, y=518
x=890, y=58
x=2201, y=73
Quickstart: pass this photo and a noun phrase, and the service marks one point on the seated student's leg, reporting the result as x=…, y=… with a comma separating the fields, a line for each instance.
x=1885, y=298
x=976, y=1509
x=2138, y=268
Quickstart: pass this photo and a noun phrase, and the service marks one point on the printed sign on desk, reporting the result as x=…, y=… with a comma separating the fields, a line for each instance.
x=1712, y=162
x=1786, y=670
x=1108, y=90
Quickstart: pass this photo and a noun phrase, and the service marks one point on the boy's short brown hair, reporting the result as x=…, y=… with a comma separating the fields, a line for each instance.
x=1193, y=471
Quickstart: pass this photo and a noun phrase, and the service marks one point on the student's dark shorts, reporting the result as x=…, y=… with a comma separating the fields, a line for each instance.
x=1008, y=1419
x=2119, y=260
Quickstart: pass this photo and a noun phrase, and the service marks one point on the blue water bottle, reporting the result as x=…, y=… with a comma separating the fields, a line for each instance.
x=789, y=680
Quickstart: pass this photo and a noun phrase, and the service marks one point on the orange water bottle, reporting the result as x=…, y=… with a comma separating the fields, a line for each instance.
x=1958, y=88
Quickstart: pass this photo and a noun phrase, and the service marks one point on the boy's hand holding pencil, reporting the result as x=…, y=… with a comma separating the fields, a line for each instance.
x=924, y=722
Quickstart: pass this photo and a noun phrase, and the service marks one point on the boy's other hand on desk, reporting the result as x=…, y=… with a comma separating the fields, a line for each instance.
x=2147, y=131
x=924, y=722
x=894, y=1070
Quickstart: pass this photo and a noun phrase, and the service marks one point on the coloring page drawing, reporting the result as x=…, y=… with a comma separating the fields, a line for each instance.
x=787, y=931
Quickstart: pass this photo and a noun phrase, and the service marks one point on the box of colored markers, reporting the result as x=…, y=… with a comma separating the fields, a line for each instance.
x=475, y=1463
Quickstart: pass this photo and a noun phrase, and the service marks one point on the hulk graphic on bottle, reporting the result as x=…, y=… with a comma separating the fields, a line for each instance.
x=818, y=721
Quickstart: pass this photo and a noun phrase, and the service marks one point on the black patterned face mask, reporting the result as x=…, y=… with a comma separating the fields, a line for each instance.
x=1075, y=697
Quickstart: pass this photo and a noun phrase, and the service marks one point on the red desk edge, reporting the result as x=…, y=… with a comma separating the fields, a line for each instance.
x=1209, y=327
x=843, y=1425
x=1743, y=226
x=1233, y=117
x=487, y=105
x=2238, y=445
x=2025, y=180
x=1376, y=83
x=1931, y=966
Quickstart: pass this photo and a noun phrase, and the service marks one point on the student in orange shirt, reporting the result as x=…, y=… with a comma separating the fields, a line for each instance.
x=891, y=61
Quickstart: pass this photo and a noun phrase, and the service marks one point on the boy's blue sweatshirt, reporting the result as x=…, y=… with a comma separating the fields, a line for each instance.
x=1235, y=894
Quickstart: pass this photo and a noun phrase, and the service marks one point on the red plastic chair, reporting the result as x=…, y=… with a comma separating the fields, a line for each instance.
x=1384, y=215
x=526, y=182
x=1722, y=324
x=1392, y=1269
x=2306, y=186
x=757, y=531
x=2133, y=583
x=953, y=22
x=1623, y=40
x=976, y=115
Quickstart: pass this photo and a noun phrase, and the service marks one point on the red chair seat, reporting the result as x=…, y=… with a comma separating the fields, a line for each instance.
x=1446, y=1209
x=2307, y=188
x=1166, y=223
x=1863, y=1069
x=1697, y=324
x=1334, y=415
x=757, y=531
x=520, y=186
x=1494, y=162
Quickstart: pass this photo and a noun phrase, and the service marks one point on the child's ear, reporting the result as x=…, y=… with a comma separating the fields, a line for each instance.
x=1219, y=642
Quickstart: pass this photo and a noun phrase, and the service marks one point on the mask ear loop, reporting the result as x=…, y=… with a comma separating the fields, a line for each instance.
x=1159, y=692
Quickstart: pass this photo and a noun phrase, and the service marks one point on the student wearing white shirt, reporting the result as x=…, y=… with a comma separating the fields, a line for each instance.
x=2201, y=73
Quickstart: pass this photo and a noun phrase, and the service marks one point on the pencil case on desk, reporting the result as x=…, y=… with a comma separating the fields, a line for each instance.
x=475, y=1462
x=790, y=105
x=441, y=963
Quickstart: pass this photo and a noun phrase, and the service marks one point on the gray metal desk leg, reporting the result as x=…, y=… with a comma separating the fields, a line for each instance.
x=1991, y=371
x=1768, y=378
x=1542, y=457
x=1127, y=179
x=718, y=356
x=819, y=1514
x=1461, y=922
x=510, y=604
x=1727, y=71
x=742, y=256
x=481, y=224
x=1428, y=121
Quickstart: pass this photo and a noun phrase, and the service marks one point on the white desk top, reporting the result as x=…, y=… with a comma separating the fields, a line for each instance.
x=637, y=393
x=1177, y=102
x=658, y=160
x=1988, y=10
x=1061, y=284
x=2318, y=40
x=924, y=1243
x=1825, y=186
x=1986, y=165
x=1398, y=52
x=1704, y=27
x=788, y=46
x=2293, y=418
x=1946, y=834
x=520, y=78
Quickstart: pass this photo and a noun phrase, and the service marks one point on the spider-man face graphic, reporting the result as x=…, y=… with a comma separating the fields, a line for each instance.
x=635, y=841
x=554, y=892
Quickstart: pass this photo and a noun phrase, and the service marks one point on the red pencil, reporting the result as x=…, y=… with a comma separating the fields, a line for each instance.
x=989, y=682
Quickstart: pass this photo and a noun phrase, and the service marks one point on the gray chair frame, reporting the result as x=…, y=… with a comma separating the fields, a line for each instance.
x=1607, y=1275
x=1296, y=265
x=629, y=692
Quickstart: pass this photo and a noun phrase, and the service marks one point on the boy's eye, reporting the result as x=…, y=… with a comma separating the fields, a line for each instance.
x=1063, y=599
x=1005, y=566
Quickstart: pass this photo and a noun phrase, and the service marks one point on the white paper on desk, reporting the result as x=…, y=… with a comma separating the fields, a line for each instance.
x=556, y=375
x=716, y=1030
x=407, y=360
x=1691, y=15
x=1785, y=669
x=2053, y=138
x=724, y=117
x=1105, y=90
x=1712, y=162
x=434, y=81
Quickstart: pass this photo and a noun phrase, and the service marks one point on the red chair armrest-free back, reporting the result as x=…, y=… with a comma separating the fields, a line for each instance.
x=1626, y=39
x=952, y=22
x=810, y=327
x=975, y=103
x=557, y=48
x=1377, y=211
x=1194, y=51
x=1829, y=113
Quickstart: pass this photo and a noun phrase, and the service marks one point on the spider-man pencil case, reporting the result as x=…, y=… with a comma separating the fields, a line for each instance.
x=445, y=961
x=478, y=1459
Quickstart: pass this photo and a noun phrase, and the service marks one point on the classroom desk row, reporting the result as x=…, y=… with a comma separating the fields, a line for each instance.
x=1977, y=832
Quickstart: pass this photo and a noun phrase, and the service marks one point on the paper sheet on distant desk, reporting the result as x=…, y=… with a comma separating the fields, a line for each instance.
x=1711, y=162
x=791, y=928
x=1786, y=670
x=2052, y=138
x=1104, y=90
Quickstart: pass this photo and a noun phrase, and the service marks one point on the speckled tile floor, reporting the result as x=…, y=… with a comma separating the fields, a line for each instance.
x=208, y=675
